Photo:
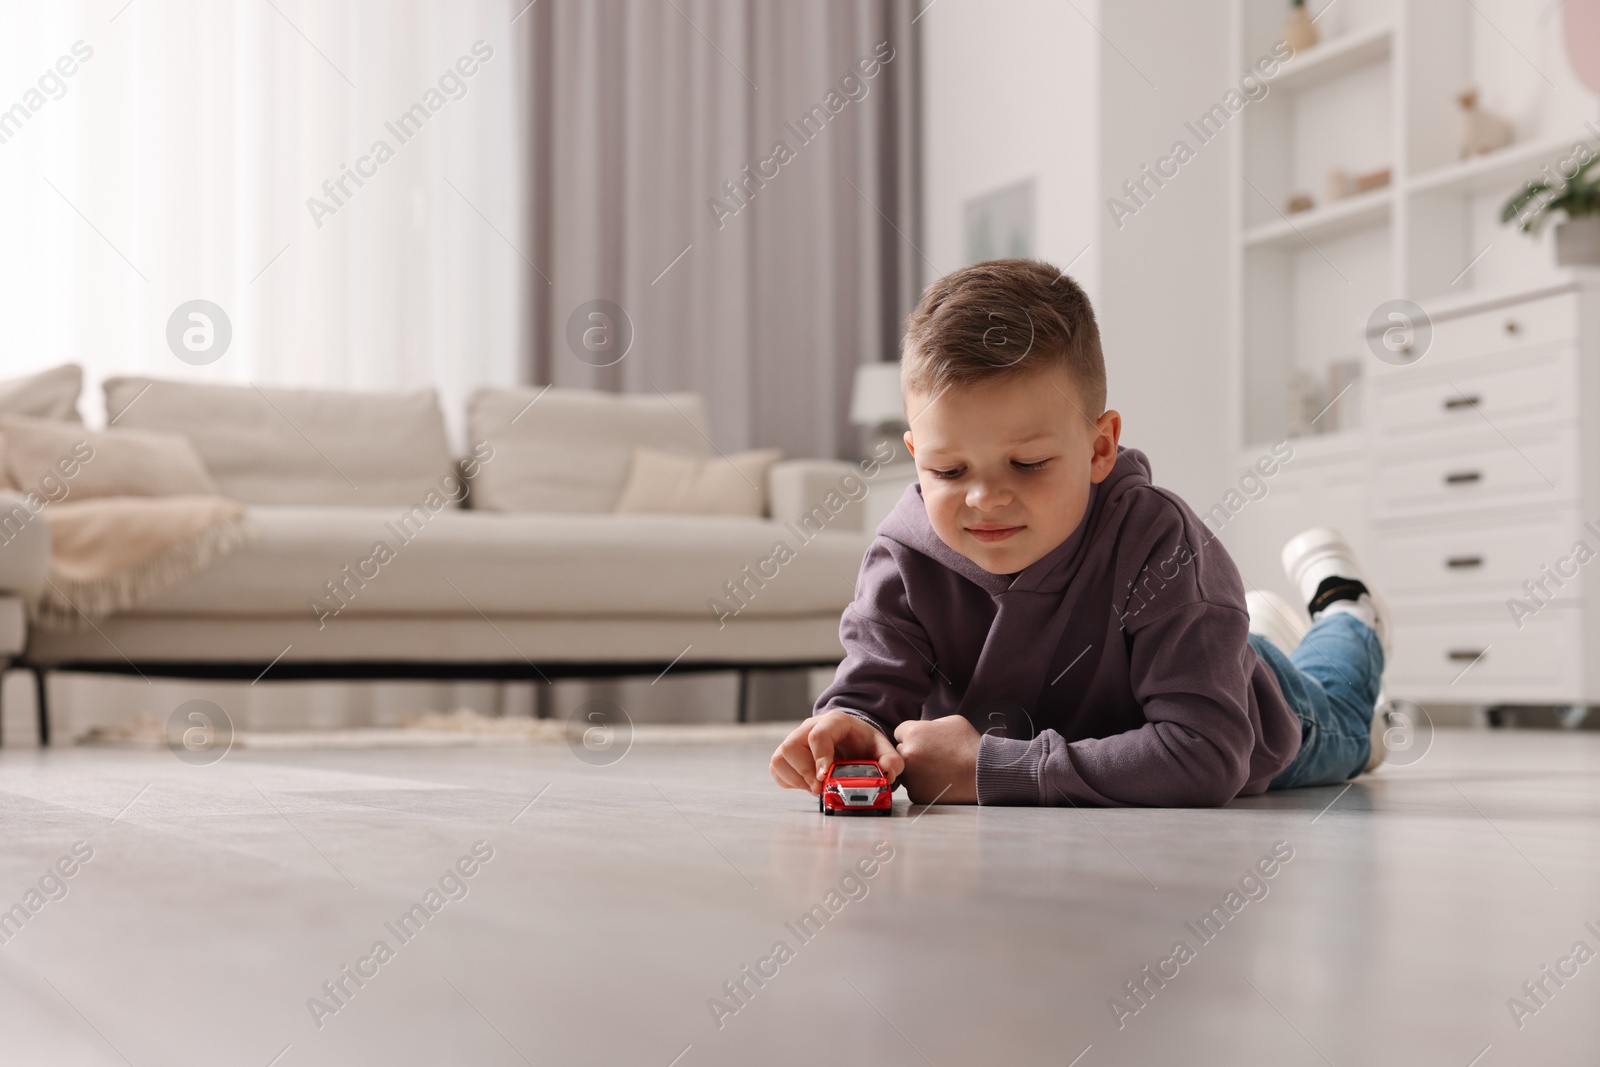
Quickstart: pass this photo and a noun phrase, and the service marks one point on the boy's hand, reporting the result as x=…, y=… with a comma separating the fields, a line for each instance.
x=941, y=759
x=805, y=754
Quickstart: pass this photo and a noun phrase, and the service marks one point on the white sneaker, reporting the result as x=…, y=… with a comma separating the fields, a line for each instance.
x=1276, y=619
x=1311, y=559
x=1322, y=553
x=1380, y=731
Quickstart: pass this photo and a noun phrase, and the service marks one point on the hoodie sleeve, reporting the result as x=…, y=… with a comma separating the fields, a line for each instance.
x=886, y=674
x=1194, y=750
x=1191, y=668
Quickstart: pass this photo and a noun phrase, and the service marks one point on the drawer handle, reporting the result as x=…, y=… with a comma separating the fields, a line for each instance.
x=1466, y=655
x=1460, y=563
x=1463, y=477
x=1454, y=402
x=1513, y=327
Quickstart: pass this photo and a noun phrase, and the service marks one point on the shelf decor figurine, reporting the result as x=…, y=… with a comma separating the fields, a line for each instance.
x=1336, y=185
x=1344, y=397
x=1369, y=180
x=1299, y=202
x=1300, y=32
x=1578, y=198
x=1303, y=403
x=1482, y=131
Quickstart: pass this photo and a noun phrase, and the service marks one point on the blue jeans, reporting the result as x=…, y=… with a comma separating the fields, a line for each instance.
x=1331, y=682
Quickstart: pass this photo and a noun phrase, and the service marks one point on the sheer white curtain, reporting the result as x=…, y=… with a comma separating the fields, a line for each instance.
x=176, y=162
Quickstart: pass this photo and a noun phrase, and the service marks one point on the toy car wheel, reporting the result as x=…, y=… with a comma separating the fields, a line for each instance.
x=885, y=812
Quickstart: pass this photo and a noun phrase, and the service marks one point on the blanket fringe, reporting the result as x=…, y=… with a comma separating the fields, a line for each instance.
x=68, y=604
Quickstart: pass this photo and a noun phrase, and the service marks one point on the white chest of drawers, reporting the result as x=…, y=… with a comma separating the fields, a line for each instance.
x=1484, y=461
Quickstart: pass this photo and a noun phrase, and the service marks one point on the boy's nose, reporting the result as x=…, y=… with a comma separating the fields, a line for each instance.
x=984, y=496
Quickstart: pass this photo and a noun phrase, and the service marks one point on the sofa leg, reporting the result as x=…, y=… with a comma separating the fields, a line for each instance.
x=744, y=695
x=40, y=683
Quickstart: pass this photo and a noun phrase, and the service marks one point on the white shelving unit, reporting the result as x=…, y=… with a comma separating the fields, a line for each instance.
x=1346, y=52
x=1499, y=171
x=1380, y=90
x=1359, y=212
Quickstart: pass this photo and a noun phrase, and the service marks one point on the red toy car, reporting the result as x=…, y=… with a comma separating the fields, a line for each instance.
x=855, y=787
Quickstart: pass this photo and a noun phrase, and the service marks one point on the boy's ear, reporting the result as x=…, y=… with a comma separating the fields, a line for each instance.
x=1108, y=431
x=909, y=446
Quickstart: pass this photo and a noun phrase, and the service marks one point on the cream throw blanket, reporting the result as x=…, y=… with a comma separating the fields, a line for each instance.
x=109, y=553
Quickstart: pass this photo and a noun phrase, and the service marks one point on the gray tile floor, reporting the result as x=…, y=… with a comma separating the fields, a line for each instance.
x=219, y=900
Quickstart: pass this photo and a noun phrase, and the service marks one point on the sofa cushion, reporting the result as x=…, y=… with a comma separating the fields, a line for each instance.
x=568, y=450
x=50, y=394
x=458, y=562
x=665, y=483
x=97, y=463
x=297, y=446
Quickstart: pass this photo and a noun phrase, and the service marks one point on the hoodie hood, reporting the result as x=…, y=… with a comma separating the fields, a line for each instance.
x=908, y=524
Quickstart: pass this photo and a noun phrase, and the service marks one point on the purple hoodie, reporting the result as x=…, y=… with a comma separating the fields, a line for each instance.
x=1115, y=670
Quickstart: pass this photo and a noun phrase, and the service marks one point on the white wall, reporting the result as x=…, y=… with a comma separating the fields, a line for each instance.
x=1029, y=87
x=1163, y=275
x=1010, y=91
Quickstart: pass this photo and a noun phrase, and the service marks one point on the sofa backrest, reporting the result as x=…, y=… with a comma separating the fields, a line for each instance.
x=568, y=450
x=297, y=446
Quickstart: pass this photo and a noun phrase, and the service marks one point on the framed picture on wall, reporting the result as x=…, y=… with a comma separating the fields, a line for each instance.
x=999, y=224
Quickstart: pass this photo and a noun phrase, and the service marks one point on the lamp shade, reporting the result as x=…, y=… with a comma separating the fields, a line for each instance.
x=876, y=399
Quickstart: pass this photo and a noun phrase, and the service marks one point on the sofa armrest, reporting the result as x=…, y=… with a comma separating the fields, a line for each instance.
x=24, y=545
x=828, y=492
x=13, y=629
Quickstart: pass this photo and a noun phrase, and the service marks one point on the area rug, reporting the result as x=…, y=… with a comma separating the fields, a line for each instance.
x=461, y=728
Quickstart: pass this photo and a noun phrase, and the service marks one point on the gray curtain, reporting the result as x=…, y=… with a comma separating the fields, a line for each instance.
x=638, y=112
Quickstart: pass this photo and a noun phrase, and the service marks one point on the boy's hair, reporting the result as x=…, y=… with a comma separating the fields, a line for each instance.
x=1003, y=317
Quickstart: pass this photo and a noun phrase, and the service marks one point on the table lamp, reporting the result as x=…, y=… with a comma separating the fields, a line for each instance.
x=876, y=404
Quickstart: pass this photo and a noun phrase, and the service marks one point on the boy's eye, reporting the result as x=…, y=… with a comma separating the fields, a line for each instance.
x=953, y=472
x=1030, y=466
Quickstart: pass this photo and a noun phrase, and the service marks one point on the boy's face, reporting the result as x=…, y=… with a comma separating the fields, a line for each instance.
x=1005, y=465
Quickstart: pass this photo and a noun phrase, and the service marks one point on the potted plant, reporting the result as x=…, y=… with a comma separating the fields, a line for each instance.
x=1577, y=197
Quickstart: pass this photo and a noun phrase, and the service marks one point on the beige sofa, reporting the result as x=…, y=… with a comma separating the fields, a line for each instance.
x=535, y=577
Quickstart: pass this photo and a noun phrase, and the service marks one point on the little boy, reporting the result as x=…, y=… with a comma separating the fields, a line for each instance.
x=1037, y=623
